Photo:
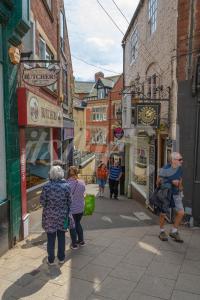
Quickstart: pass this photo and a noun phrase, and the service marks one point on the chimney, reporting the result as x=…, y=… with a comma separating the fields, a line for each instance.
x=98, y=75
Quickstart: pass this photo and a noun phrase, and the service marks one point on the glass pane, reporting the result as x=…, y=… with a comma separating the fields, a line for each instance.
x=38, y=156
x=42, y=49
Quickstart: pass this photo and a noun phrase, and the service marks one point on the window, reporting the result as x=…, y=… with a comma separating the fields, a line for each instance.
x=99, y=114
x=117, y=110
x=153, y=4
x=62, y=18
x=134, y=45
x=38, y=157
x=29, y=40
x=65, y=94
x=152, y=84
x=98, y=136
x=101, y=93
x=46, y=54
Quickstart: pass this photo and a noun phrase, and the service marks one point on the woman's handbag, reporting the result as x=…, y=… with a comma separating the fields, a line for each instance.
x=69, y=222
x=89, y=205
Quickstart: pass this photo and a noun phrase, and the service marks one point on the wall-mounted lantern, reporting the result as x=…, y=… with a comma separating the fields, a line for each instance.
x=14, y=54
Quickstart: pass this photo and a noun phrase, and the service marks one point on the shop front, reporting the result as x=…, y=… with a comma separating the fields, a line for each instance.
x=40, y=123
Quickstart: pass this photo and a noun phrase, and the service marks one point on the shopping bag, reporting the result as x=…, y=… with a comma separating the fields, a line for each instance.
x=66, y=223
x=89, y=204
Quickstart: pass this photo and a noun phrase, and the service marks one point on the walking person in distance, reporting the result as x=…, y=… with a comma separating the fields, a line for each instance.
x=115, y=173
x=55, y=200
x=102, y=174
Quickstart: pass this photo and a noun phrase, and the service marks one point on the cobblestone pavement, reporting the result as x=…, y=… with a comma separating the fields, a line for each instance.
x=123, y=259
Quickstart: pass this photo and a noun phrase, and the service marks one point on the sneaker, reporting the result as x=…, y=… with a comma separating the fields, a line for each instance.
x=74, y=247
x=163, y=236
x=61, y=262
x=82, y=244
x=110, y=196
x=50, y=264
x=116, y=198
x=176, y=237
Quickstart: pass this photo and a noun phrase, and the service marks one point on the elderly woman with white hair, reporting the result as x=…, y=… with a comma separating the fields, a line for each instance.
x=56, y=202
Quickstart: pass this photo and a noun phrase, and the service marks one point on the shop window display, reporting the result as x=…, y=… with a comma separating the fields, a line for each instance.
x=38, y=158
x=140, y=168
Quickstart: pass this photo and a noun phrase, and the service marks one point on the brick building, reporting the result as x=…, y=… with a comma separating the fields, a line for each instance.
x=161, y=66
x=46, y=127
x=103, y=109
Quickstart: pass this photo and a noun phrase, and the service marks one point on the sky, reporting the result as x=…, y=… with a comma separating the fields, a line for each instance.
x=94, y=38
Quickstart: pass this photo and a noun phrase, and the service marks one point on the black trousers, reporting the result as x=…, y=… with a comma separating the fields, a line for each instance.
x=51, y=238
x=77, y=232
x=113, y=185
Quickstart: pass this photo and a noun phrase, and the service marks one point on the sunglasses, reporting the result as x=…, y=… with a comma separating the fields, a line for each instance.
x=179, y=159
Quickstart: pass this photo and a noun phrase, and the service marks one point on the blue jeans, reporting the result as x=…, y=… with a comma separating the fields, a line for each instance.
x=78, y=230
x=51, y=238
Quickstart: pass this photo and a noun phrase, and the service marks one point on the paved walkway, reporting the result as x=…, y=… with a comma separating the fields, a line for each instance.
x=123, y=259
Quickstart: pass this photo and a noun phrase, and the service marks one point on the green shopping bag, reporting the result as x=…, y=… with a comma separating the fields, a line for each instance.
x=89, y=204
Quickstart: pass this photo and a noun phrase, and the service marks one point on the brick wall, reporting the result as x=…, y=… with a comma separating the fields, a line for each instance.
x=188, y=37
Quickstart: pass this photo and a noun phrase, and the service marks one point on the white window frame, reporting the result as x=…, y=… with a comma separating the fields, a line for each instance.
x=49, y=3
x=134, y=45
x=99, y=114
x=152, y=14
x=62, y=29
x=101, y=93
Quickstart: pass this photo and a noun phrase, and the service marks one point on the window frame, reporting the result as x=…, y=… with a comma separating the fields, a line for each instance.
x=62, y=36
x=134, y=45
x=49, y=9
x=99, y=114
x=48, y=53
x=152, y=15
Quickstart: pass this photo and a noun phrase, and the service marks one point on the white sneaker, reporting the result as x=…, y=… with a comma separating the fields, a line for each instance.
x=61, y=262
x=50, y=264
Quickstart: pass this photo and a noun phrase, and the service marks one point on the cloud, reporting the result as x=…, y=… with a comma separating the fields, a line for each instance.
x=93, y=37
x=102, y=43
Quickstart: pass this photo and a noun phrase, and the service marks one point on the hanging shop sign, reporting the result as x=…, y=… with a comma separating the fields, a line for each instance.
x=118, y=133
x=36, y=111
x=148, y=114
x=41, y=76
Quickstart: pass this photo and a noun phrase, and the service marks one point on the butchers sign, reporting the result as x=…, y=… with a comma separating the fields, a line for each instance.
x=41, y=76
x=38, y=112
x=42, y=113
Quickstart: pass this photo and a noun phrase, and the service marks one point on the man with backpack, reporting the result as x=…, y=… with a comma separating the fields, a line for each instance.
x=170, y=178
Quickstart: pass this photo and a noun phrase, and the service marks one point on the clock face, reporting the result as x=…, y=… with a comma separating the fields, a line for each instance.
x=147, y=115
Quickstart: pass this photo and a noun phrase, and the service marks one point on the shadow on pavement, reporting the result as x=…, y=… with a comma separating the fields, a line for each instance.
x=30, y=283
x=39, y=240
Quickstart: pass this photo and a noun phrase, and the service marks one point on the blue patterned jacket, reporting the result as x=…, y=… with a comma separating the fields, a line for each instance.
x=56, y=201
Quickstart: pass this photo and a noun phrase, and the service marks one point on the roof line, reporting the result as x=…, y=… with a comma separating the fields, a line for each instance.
x=140, y=4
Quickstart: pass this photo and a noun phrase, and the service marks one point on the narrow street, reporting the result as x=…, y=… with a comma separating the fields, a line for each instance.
x=123, y=259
